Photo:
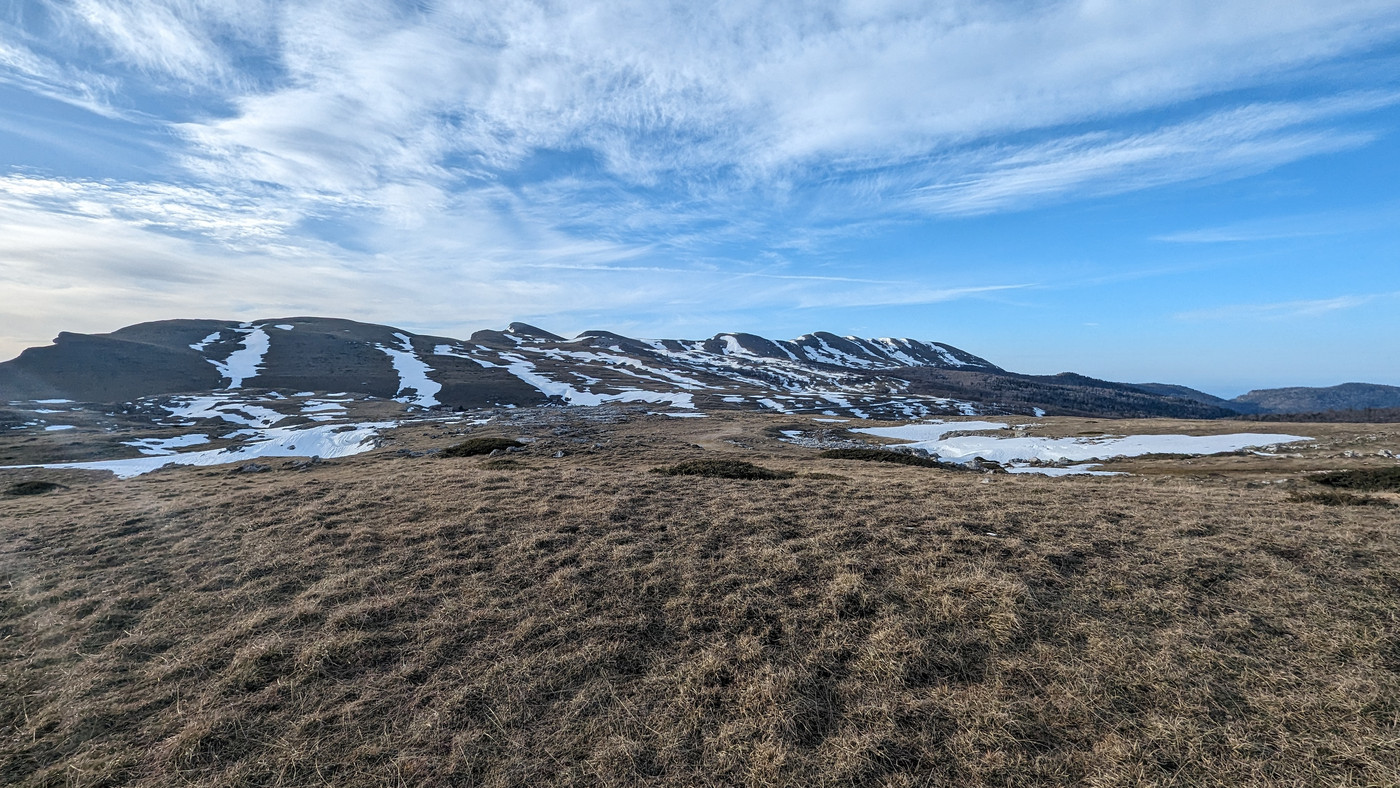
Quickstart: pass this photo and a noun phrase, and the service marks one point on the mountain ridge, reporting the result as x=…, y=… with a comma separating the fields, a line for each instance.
x=525, y=365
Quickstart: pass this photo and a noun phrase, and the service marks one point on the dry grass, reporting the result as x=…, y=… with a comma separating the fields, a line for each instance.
x=581, y=621
x=1339, y=498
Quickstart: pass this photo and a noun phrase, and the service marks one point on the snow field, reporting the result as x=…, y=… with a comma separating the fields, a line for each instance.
x=327, y=442
x=930, y=437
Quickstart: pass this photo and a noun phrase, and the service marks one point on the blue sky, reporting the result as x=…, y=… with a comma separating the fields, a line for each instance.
x=1205, y=193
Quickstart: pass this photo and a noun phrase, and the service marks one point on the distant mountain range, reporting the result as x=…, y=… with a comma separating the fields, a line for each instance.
x=1295, y=399
x=527, y=366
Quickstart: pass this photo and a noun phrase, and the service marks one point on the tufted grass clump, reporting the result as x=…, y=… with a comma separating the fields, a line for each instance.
x=473, y=447
x=33, y=488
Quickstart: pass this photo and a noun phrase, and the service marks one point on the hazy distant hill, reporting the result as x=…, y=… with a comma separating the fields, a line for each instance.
x=1347, y=396
x=524, y=365
x=1185, y=392
x=1296, y=399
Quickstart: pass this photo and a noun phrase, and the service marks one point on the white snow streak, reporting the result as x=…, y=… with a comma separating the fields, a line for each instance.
x=525, y=370
x=164, y=446
x=244, y=362
x=205, y=341
x=219, y=407
x=413, y=374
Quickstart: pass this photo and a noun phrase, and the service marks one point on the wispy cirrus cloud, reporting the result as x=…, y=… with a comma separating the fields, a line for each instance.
x=1230, y=143
x=42, y=76
x=1285, y=310
x=1288, y=227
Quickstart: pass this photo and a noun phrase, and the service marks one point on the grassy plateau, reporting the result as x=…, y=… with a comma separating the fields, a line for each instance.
x=409, y=618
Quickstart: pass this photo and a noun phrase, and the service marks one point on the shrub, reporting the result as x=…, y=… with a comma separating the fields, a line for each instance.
x=881, y=455
x=1372, y=479
x=722, y=469
x=472, y=447
x=33, y=488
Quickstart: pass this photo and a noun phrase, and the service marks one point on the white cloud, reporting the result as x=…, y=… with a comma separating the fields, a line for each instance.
x=1285, y=310
x=401, y=152
x=1230, y=143
x=92, y=256
x=22, y=67
x=1382, y=217
x=662, y=90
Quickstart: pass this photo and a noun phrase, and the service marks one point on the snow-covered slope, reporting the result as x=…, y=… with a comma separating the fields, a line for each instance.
x=523, y=365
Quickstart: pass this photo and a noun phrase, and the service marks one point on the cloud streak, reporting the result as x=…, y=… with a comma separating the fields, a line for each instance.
x=1285, y=310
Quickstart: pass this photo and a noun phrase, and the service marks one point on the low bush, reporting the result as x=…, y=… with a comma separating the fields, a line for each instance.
x=473, y=447
x=33, y=488
x=1369, y=479
x=881, y=455
x=722, y=469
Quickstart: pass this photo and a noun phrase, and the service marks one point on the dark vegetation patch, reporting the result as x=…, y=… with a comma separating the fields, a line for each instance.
x=1355, y=416
x=1368, y=479
x=472, y=447
x=722, y=469
x=33, y=488
x=881, y=455
x=1340, y=498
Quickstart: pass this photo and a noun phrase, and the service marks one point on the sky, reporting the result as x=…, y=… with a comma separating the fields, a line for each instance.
x=1203, y=193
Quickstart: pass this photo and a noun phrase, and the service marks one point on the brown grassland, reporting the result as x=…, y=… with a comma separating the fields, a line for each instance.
x=423, y=620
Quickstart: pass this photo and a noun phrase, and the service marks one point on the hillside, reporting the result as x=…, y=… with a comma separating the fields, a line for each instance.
x=525, y=366
x=1301, y=400
x=1347, y=396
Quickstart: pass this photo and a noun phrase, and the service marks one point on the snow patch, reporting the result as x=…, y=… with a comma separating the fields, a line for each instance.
x=158, y=447
x=327, y=442
x=244, y=362
x=413, y=374
x=525, y=370
x=220, y=407
x=930, y=436
x=200, y=345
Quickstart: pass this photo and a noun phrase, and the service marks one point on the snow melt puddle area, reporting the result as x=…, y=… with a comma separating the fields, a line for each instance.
x=221, y=407
x=326, y=442
x=1015, y=453
x=157, y=447
x=413, y=374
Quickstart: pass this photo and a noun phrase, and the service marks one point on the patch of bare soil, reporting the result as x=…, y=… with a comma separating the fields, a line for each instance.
x=412, y=619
